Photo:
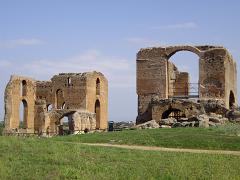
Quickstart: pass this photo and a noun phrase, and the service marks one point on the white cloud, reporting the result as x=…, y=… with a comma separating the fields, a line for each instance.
x=20, y=42
x=143, y=41
x=117, y=70
x=186, y=25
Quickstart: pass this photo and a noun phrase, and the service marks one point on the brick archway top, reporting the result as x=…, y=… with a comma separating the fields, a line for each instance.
x=171, y=50
x=167, y=52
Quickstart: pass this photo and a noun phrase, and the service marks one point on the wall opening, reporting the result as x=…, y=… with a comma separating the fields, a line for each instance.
x=69, y=81
x=173, y=113
x=49, y=107
x=98, y=113
x=23, y=88
x=231, y=100
x=66, y=125
x=59, y=99
x=23, y=113
x=185, y=82
x=98, y=86
x=63, y=105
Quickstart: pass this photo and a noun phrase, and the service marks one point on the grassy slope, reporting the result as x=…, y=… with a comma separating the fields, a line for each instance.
x=197, y=138
x=49, y=159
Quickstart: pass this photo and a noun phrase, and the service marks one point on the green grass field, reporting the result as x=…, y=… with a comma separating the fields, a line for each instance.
x=224, y=138
x=52, y=158
x=32, y=158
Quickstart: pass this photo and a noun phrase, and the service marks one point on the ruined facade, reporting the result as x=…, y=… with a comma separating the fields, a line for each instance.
x=160, y=83
x=80, y=98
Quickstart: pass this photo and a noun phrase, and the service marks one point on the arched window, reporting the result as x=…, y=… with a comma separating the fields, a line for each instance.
x=63, y=106
x=59, y=99
x=49, y=107
x=98, y=113
x=23, y=112
x=98, y=86
x=69, y=81
x=23, y=89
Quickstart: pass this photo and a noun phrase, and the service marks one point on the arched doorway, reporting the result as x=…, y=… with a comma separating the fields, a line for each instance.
x=23, y=113
x=173, y=113
x=231, y=100
x=98, y=112
x=183, y=72
x=59, y=99
x=66, y=125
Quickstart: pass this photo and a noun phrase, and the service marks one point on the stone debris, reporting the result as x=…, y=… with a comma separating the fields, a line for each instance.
x=148, y=125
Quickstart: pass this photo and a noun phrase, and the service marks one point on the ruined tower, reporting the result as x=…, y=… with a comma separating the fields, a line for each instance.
x=82, y=98
x=158, y=79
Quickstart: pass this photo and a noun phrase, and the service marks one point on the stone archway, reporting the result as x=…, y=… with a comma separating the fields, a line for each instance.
x=173, y=113
x=172, y=50
x=183, y=82
x=65, y=123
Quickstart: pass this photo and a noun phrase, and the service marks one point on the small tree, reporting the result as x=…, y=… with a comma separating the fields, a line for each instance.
x=1, y=127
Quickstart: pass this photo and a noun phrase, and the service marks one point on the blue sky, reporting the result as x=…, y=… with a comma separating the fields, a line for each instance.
x=42, y=38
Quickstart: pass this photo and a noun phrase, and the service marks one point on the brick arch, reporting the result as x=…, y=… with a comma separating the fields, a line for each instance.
x=186, y=107
x=173, y=50
x=170, y=106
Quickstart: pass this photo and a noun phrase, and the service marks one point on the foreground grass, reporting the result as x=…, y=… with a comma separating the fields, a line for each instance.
x=195, y=138
x=49, y=159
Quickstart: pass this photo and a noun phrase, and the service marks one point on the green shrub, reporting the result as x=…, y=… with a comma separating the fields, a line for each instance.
x=1, y=127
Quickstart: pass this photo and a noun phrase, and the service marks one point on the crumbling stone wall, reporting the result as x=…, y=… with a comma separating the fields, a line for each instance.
x=15, y=94
x=157, y=76
x=84, y=96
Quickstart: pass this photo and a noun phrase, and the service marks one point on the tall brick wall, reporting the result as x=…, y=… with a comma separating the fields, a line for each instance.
x=157, y=76
x=66, y=92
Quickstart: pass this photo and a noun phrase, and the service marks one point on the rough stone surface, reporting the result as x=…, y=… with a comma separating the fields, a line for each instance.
x=165, y=126
x=82, y=98
x=164, y=91
x=233, y=115
x=203, y=120
x=168, y=121
x=148, y=125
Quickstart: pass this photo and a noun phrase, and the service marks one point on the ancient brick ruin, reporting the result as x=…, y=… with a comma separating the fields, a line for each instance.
x=165, y=92
x=80, y=97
